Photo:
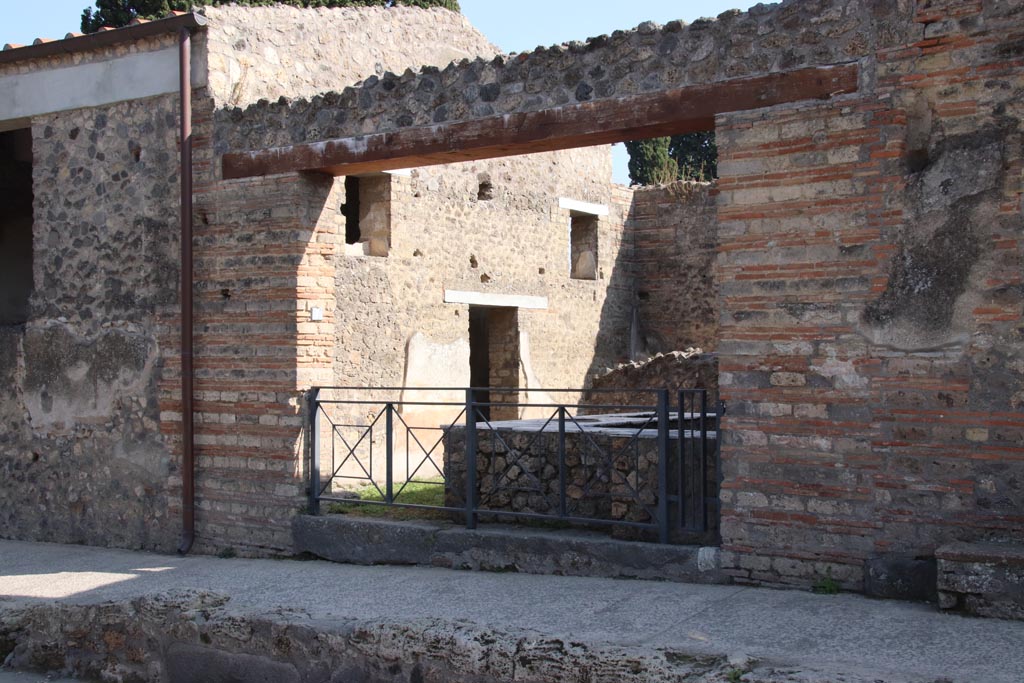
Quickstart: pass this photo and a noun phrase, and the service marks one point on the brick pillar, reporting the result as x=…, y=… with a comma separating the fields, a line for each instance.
x=263, y=260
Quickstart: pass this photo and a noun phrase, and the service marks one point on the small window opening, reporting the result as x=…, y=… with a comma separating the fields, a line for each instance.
x=583, y=247
x=367, y=214
x=15, y=226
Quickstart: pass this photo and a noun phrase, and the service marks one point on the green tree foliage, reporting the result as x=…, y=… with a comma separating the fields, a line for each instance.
x=117, y=13
x=690, y=156
x=650, y=163
x=696, y=154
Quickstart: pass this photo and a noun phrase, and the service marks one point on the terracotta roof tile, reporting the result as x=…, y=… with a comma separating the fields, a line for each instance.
x=74, y=42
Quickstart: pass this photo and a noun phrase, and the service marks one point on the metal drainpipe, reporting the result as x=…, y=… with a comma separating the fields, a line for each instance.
x=188, y=482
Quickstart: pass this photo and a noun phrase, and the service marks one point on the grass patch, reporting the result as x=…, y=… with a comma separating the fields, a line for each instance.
x=826, y=585
x=427, y=492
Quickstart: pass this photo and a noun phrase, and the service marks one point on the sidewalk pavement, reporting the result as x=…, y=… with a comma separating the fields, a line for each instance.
x=856, y=637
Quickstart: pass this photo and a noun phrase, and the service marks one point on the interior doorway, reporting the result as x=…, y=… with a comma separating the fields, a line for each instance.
x=494, y=360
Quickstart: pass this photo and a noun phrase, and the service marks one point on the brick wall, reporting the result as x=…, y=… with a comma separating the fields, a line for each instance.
x=870, y=274
x=264, y=252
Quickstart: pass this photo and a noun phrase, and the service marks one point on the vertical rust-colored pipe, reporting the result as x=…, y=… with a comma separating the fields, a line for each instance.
x=188, y=480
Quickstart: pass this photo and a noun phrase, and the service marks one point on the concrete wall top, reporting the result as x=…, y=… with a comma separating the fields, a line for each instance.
x=121, y=72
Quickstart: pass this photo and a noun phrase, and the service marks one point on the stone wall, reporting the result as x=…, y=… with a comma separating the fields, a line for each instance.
x=278, y=51
x=674, y=233
x=444, y=237
x=82, y=456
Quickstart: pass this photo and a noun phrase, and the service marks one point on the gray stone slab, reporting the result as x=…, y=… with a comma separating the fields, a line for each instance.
x=368, y=541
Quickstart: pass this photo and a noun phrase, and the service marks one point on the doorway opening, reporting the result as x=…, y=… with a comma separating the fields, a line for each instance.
x=494, y=360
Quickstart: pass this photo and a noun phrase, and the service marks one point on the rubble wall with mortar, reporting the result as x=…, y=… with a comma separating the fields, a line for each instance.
x=673, y=229
x=671, y=370
x=871, y=334
x=768, y=38
x=82, y=455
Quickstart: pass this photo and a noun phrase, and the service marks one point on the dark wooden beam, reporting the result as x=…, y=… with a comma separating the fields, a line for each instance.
x=667, y=112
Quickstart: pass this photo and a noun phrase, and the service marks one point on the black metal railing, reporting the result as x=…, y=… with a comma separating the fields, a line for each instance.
x=649, y=468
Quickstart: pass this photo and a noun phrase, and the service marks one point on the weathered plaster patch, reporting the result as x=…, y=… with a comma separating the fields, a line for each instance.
x=71, y=378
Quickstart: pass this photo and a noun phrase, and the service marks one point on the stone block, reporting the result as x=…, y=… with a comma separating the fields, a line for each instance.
x=983, y=579
x=900, y=576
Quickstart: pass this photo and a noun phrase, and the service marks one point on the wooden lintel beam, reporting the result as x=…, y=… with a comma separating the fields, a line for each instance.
x=668, y=112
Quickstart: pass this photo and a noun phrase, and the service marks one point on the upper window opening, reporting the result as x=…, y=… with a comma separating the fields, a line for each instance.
x=583, y=247
x=367, y=212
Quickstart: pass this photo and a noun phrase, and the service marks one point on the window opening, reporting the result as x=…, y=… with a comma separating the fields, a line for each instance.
x=583, y=247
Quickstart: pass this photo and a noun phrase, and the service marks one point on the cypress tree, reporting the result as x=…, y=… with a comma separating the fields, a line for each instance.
x=650, y=163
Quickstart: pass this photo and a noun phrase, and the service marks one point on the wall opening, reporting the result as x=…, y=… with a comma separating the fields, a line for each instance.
x=687, y=156
x=480, y=357
x=367, y=212
x=16, y=282
x=494, y=359
x=583, y=246
x=350, y=209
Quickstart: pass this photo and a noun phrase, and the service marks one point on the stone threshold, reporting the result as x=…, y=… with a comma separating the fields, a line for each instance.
x=501, y=548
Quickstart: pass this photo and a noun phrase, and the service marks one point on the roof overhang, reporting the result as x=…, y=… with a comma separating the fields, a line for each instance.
x=101, y=39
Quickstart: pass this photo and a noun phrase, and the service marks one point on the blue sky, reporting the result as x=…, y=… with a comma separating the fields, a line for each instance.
x=513, y=25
